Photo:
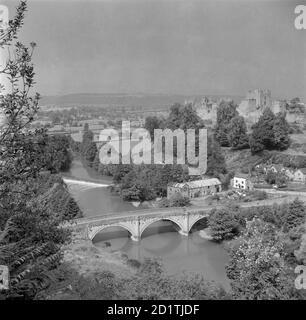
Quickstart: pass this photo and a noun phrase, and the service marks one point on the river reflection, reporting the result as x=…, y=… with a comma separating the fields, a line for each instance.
x=161, y=239
x=178, y=253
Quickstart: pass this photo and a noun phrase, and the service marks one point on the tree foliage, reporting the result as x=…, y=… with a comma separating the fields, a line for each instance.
x=227, y=110
x=296, y=214
x=224, y=224
x=237, y=133
x=257, y=269
x=30, y=232
x=270, y=132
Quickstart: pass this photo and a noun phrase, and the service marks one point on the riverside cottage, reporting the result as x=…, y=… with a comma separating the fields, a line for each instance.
x=195, y=189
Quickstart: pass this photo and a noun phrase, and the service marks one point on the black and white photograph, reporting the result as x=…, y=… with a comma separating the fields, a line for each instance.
x=152, y=150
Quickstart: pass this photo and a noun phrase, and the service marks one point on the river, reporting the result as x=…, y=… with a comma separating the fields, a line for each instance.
x=178, y=253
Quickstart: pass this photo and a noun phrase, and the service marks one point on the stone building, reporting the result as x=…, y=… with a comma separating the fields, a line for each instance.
x=256, y=100
x=206, y=109
x=278, y=106
x=253, y=105
x=195, y=189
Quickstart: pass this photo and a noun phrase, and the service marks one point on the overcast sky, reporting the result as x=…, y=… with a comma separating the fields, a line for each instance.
x=153, y=46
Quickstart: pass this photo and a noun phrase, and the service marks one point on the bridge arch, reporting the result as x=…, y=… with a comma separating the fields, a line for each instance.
x=195, y=220
x=150, y=222
x=102, y=228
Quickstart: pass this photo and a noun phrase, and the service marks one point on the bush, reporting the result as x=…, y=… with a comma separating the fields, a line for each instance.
x=178, y=200
x=224, y=224
x=164, y=203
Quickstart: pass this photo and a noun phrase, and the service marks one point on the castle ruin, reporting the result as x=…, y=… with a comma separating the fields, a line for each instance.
x=206, y=109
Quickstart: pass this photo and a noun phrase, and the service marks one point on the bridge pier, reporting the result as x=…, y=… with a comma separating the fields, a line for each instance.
x=183, y=233
x=136, y=238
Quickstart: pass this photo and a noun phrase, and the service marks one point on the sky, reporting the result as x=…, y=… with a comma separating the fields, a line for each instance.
x=170, y=46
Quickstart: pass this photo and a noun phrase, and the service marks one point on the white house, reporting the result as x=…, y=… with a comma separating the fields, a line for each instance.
x=300, y=175
x=241, y=181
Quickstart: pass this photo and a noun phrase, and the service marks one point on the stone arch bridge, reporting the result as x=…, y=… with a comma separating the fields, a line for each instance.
x=135, y=222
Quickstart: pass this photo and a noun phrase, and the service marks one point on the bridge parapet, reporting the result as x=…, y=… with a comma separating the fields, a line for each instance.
x=136, y=222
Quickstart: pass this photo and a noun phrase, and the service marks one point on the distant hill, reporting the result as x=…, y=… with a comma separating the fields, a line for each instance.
x=143, y=100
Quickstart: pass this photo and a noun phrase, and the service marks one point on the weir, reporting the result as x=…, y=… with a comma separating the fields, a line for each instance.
x=89, y=184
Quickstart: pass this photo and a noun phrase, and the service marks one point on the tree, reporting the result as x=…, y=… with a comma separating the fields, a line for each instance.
x=183, y=117
x=270, y=177
x=281, y=132
x=56, y=153
x=256, y=268
x=215, y=160
x=30, y=233
x=88, y=147
x=270, y=132
x=152, y=123
x=237, y=133
x=262, y=136
x=224, y=224
x=281, y=179
x=227, y=110
x=178, y=200
x=296, y=214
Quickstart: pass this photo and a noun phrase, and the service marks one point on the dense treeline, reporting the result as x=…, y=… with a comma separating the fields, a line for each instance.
x=270, y=132
x=268, y=243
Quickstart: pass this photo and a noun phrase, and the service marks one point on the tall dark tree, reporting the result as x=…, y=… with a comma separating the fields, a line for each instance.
x=227, y=110
x=262, y=136
x=281, y=132
x=237, y=133
x=152, y=123
x=215, y=160
x=88, y=147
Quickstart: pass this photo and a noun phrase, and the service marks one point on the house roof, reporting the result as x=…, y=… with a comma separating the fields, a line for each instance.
x=241, y=175
x=198, y=183
x=278, y=167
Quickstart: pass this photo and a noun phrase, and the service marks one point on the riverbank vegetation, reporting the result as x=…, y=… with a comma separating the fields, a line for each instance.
x=143, y=281
x=267, y=244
